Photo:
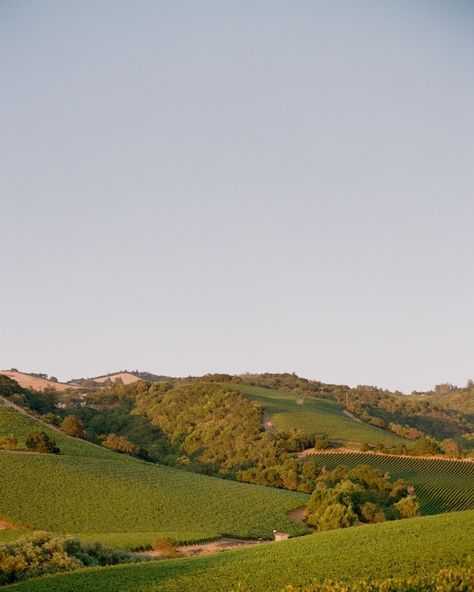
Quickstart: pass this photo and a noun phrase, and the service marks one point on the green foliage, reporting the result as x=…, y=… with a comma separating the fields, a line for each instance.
x=343, y=496
x=440, y=485
x=408, y=507
x=426, y=445
x=373, y=552
x=132, y=500
x=40, y=441
x=45, y=553
x=293, y=474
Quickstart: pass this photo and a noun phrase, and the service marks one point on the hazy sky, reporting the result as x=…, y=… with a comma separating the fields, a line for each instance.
x=204, y=186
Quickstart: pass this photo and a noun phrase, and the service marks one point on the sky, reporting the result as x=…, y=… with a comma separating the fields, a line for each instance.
x=191, y=187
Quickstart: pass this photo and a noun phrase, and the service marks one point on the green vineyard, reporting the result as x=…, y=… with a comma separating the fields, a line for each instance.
x=373, y=551
x=101, y=495
x=441, y=485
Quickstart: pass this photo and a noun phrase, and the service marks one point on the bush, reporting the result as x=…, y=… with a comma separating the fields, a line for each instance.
x=39, y=441
x=45, y=553
x=166, y=547
x=8, y=442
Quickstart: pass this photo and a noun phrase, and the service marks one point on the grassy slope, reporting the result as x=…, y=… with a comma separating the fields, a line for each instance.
x=375, y=551
x=91, y=491
x=316, y=416
x=441, y=485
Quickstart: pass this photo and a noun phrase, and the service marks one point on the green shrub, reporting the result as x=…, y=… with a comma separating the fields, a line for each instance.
x=45, y=553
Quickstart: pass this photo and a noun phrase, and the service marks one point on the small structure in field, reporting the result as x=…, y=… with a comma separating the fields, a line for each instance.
x=300, y=401
x=280, y=536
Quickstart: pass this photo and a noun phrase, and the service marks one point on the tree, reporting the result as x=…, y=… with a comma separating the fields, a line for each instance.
x=408, y=507
x=371, y=512
x=336, y=516
x=39, y=441
x=322, y=443
x=426, y=445
x=451, y=448
x=73, y=426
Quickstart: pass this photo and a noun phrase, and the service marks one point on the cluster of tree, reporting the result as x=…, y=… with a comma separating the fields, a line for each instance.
x=290, y=473
x=45, y=553
x=344, y=497
x=425, y=446
x=36, y=441
x=200, y=425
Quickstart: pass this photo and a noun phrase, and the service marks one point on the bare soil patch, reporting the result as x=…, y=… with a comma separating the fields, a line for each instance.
x=217, y=546
x=125, y=377
x=267, y=422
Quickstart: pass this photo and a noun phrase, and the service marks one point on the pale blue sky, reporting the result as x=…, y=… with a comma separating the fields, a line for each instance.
x=205, y=186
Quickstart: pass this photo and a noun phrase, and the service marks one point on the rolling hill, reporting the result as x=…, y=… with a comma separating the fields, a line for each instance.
x=124, y=377
x=88, y=490
x=315, y=416
x=374, y=551
x=441, y=485
x=36, y=383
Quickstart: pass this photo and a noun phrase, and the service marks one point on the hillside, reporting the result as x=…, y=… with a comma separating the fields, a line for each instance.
x=441, y=485
x=458, y=399
x=316, y=416
x=374, y=551
x=36, y=383
x=90, y=490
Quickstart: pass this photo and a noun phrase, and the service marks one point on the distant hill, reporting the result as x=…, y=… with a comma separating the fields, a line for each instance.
x=458, y=399
x=124, y=377
x=30, y=381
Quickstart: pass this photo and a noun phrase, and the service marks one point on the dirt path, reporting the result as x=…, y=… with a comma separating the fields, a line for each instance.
x=267, y=422
x=298, y=515
x=349, y=414
x=206, y=548
x=312, y=451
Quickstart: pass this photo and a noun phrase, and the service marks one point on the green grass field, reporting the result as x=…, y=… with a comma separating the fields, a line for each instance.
x=374, y=551
x=315, y=416
x=98, y=494
x=441, y=485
